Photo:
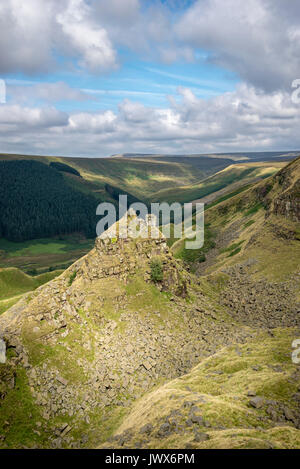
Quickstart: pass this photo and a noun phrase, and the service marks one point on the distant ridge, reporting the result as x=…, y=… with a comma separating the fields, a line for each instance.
x=238, y=156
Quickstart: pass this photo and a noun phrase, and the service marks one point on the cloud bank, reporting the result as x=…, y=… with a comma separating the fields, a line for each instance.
x=244, y=119
x=258, y=40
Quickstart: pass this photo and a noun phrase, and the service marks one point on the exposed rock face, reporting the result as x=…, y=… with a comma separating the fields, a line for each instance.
x=287, y=203
x=2, y=351
x=260, y=303
x=102, y=334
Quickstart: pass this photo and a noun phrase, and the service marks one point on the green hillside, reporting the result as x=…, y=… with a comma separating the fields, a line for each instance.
x=140, y=177
x=247, y=225
x=15, y=282
x=133, y=348
x=36, y=202
x=238, y=174
x=214, y=406
x=40, y=255
x=245, y=396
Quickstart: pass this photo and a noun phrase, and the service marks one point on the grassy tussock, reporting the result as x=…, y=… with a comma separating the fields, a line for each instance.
x=219, y=386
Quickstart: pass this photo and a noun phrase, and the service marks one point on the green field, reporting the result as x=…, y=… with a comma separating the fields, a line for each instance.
x=40, y=255
x=241, y=174
x=14, y=283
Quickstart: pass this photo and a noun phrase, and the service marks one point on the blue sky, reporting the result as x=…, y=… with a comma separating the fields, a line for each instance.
x=93, y=78
x=147, y=82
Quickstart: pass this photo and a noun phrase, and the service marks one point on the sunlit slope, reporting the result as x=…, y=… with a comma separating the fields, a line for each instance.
x=14, y=283
x=261, y=223
x=243, y=397
x=224, y=181
x=140, y=177
x=246, y=395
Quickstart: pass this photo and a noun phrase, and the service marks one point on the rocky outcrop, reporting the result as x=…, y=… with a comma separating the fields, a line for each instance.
x=102, y=334
x=287, y=202
x=259, y=303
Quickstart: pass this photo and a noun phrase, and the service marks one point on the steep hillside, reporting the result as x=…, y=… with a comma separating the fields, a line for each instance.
x=127, y=348
x=82, y=348
x=43, y=255
x=140, y=177
x=225, y=181
x=244, y=396
x=260, y=223
x=36, y=202
x=14, y=282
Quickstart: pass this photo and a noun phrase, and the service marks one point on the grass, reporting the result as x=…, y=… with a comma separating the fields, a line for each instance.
x=232, y=250
x=8, y=303
x=219, y=387
x=258, y=206
x=42, y=255
x=227, y=177
x=42, y=246
x=249, y=223
x=14, y=282
x=157, y=273
x=19, y=415
x=229, y=196
x=72, y=278
x=195, y=255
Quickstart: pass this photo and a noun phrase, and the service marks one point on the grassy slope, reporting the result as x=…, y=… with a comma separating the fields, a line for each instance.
x=14, y=283
x=229, y=178
x=220, y=384
x=219, y=387
x=141, y=177
x=269, y=240
x=41, y=254
x=19, y=405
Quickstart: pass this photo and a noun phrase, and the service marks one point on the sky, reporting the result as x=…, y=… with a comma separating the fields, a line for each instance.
x=95, y=77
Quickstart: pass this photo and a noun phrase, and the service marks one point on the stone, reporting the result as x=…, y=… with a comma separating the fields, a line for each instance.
x=199, y=436
x=147, y=365
x=164, y=430
x=257, y=402
x=2, y=351
x=197, y=419
x=288, y=414
x=66, y=430
x=146, y=429
x=61, y=380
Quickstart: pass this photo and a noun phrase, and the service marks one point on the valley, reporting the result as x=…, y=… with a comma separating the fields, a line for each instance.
x=142, y=344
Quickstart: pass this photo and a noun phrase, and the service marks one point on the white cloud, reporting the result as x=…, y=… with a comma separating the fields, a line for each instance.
x=34, y=32
x=144, y=27
x=28, y=92
x=245, y=119
x=125, y=12
x=85, y=122
x=257, y=39
x=25, y=36
x=86, y=37
x=19, y=119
